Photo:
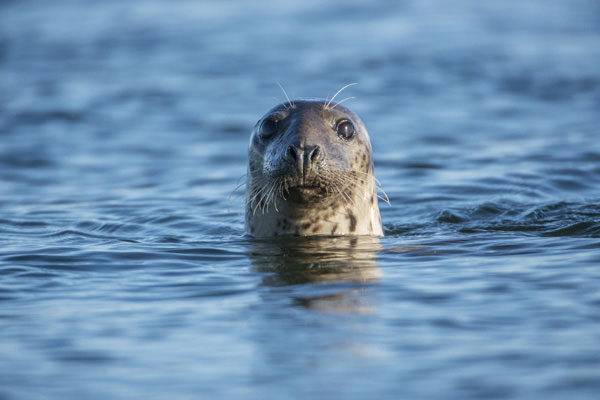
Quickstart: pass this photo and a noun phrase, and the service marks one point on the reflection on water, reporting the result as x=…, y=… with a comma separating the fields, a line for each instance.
x=300, y=260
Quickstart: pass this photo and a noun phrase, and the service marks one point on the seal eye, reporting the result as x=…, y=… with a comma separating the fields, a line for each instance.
x=345, y=129
x=268, y=128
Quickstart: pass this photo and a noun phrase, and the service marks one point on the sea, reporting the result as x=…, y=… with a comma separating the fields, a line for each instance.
x=125, y=270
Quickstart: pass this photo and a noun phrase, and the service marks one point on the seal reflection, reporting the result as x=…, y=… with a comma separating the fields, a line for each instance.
x=330, y=273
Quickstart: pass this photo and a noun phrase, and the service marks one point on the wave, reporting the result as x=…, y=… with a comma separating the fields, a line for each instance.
x=554, y=219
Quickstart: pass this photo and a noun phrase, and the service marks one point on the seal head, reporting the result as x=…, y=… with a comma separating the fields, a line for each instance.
x=310, y=172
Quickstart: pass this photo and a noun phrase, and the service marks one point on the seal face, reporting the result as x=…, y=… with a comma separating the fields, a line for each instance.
x=310, y=172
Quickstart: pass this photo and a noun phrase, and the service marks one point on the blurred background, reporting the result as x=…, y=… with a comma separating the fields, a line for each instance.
x=110, y=95
x=124, y=269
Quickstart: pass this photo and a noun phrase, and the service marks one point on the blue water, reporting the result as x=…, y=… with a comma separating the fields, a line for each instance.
x=124, y=269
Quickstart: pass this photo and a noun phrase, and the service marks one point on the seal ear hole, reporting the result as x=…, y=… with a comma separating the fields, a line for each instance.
x=268, y=127
x=345, y=129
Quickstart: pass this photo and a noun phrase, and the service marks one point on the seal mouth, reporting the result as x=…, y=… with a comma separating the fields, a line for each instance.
x=305, y=193
x=305, y=189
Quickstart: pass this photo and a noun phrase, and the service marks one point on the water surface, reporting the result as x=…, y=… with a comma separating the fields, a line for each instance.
x=124, y=269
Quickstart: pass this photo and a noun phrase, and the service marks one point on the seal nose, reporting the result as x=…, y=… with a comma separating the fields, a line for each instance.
x=304, y=157
x=310, y=154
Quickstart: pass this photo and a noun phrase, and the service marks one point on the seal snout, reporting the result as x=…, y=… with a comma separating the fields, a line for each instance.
x=304, y=159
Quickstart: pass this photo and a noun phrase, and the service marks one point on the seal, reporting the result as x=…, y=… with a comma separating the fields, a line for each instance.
x=310, y=172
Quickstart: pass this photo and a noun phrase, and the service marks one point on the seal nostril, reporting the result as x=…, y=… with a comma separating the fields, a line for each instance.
x=291, y=152
x=314, y=154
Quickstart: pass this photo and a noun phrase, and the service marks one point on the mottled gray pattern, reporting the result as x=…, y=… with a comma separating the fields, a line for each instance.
x=305, y=179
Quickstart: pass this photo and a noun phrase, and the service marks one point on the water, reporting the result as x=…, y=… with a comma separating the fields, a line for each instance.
x=124, y=270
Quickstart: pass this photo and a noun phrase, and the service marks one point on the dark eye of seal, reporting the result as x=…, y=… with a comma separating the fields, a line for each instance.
x=345, y=129
x=268, y=128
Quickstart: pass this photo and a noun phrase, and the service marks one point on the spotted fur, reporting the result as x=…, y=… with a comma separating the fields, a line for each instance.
x=306, y=178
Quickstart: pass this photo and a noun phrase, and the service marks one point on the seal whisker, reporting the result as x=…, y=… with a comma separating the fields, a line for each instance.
x=277, y=193
x=378, y=186
x=242, y=177
x=258, y=154
x=261, y=199
x=275, y=196
x=257, y=197
x=340, y=182
x=239, y=185
x=282, y=188
x=250, y=197
x=290, y=102
x=326, y=107
x=351, y=178
x=341, y=101
x=352, y=183
x=271, y=196
x=253, y=204
x=325, y=102
x=355, y=182
x=341, y=195
x=267, y=198
x=347, y=196
x=386, y=199
x=231, y=198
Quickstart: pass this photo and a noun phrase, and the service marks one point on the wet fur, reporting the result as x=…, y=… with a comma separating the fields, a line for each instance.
x=344, y=198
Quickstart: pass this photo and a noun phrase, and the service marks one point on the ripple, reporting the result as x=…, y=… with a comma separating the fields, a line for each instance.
x=26, y=161
x=46, y=116
x=70, y=233
x=451, y=217
x=47, y=260
x=115, y=227
x=585, y=229
x=554, y=89
x=84, y=356
x=554, y=219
